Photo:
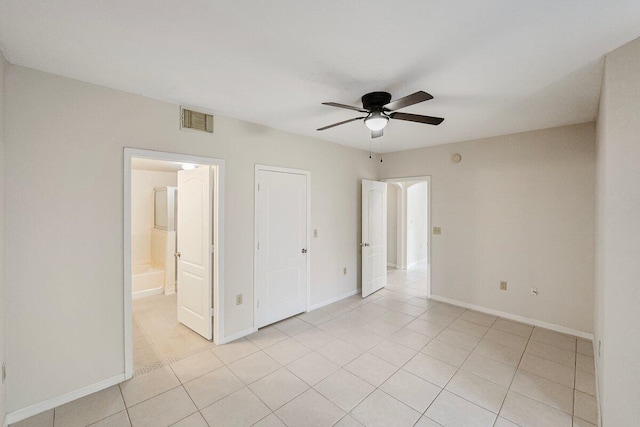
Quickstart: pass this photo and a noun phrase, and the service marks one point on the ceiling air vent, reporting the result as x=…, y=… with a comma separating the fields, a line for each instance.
x=196, y=120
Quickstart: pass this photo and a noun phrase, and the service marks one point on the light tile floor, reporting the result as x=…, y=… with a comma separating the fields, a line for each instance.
x=158, y=338
x=394, y=358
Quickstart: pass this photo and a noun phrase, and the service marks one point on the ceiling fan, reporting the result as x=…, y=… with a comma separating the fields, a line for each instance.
x=380, y=109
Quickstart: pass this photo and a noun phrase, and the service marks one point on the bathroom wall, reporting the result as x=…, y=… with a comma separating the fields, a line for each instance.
x=142, y=184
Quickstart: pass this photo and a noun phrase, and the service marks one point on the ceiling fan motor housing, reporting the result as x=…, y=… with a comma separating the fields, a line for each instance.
x=375, y=100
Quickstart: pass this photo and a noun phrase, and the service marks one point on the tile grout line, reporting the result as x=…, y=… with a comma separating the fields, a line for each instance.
x=457, y=368
x=514, y=375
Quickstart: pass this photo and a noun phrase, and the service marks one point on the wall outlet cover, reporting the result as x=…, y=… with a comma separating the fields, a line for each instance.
x=238, y=299
x=503, y=286
x=437, y=230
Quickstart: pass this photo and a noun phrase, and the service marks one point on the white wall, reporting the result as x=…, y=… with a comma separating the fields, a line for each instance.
x=3, y=67
x=518, y=208
x=416, y=223
x=67, y=314
x=142, y=206
x=618, y=238
x=392, y=223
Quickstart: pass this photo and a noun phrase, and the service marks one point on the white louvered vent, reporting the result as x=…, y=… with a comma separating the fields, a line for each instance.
x=196, y=120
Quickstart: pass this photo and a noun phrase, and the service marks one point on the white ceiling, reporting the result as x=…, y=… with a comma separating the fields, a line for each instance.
x=494, y=66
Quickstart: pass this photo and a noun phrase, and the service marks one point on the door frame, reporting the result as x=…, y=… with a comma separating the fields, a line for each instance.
x=427, y=179
x=268, y=168
x=218, y=242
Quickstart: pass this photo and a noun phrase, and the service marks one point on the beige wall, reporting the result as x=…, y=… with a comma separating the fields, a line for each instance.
x=618, y=238
x=3, y=67
x=64, y=211
x=518, y=208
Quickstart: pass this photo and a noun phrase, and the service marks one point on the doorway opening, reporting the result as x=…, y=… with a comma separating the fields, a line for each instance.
x=173, y=250
x=408, y=233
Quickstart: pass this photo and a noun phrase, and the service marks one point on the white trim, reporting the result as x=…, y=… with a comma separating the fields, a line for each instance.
x=332, y=300
x=598, y=397
x=147, y=293
x=391, y=264
x=515, y=317
x=218, y=258
x=237, y=335
x=427, y=179
x=307, y=174
x=35, y=409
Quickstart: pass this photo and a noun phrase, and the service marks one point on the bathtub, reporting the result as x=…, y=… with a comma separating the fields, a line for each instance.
x=146, y=280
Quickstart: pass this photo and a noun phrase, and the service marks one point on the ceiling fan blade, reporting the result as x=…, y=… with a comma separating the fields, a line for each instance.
x=348, y=107
x=341, y=123
x=376, y=133
x=417, y=118
x=408, y=100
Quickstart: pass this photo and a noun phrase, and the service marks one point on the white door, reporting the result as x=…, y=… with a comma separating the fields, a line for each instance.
x=194, y=254
x=281, y=285
x=374, y=236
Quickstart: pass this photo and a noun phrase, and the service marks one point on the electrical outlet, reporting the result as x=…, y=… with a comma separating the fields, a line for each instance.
x=503, y=286
x=315, y=233
x=437, y=230
x=533, y=292
x=344, y=271
x=238, y=299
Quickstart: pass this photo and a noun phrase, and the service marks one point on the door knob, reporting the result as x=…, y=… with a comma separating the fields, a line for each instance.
x=364, y=244
x=177, y=255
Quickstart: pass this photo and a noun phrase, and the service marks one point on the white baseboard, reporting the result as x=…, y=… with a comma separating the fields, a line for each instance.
x=29, y=411
x=147, y=293
x=237, y=335
x=515, y=317
x=251, y=330
x=332, y=300
x=391, y=264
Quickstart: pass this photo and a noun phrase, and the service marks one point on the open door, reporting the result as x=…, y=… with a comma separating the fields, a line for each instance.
x=195, y=250
x=374, y=236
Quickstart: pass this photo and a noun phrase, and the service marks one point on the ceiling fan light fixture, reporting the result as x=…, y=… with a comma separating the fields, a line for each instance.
x=376, y=121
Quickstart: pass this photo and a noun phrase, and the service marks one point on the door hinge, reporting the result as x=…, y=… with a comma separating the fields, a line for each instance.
x=4, y=372
x=211, y=248
x=258, y=186
x=211, y=312
x=258, y=245
x=258, y=303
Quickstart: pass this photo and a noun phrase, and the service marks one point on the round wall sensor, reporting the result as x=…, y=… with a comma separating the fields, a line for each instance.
x=455, y=158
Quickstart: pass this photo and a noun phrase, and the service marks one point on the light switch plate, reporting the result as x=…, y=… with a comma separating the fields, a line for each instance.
x=503, y=286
